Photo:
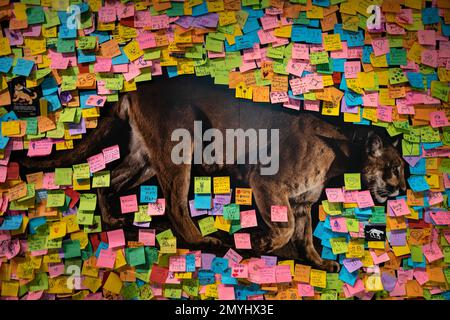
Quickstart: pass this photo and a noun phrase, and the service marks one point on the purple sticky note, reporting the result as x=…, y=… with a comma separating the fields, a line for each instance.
x=185, y=21
x=397, y=238
x=388, y=281
x=196, y=212
x=270, y=261
x=207, y=21
x=77, y=128
x=207, y=259
x=345, y=108
x=412, y=161
x=352, y=264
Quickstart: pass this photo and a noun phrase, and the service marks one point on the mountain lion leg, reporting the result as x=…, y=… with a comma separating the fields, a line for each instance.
x=303, y=238
x=175, y=186
x=279, y=232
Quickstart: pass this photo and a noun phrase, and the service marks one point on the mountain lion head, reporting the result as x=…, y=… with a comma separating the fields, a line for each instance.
x=383, y=169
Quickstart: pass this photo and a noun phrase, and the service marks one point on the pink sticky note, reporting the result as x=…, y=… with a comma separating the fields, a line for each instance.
x=351, y=69
x=252, y=54
x=429, y=58
x=41, y=147
x=283, y=273
x=279, y=213
x=242, y=241
x=177, y=263
x=106, y=14
x=427, y=37
x=146, y=40
x=338, y=225
x=432, y=252
x=248, y=219
x=125, y=10
x=55, y=269
x=120, y=68
x=116, y=239
x=226, y=292
x=96, y=101
x=278, y=97
x=380, y=46
x=159, y=22
x=147, y=237
x=133, y=72
x=404, y=16
x=298, y=86
x=269, y=22
x=129, y=203
x=399, y=290
x=384, y=113
x=239, y=271
x=305, y=290
x=364, y=199
x=157, y=208
x=399, y=207
x=48, y=181
x=334, y=194
x=102, y=64
x=421, y=276
x=300, y=51
x=142, y=18
x=340, y=54
x=111, y=153
x=379, y=259
x=296, y=67
x=353, y=290
x=438, y=119
x=106, y=258
x=370, y=99
x=266, y=275
x=58, y=62
x=3, y=173
x=96, y=162
x=266, y=37
x=247, y=65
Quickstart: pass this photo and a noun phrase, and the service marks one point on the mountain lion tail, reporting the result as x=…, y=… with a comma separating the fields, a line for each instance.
x=114, y=122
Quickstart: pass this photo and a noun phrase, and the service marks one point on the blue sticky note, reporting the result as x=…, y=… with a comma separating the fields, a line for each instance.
x=34, y=223
x=246, y=41
x=353, y=98
x=66, y=33
x=9, y=116
x=251, y=25
x=227, y=278
x=299, y=33
x=5, y=64
x=202, y=201
x=120, y=59
x=338, y=65
x=148, y=194
x=348, y=277
x=84, y=95
x=23, y=67
x=53, y=102
x=49, y=86
x=321, y=3
x=172, y=71
x=190, y=263
x=367, y=50
x=415, y=79
x=314, y=36
x=219, y=265
x=3, y=141
x=206, y=277
x=200, y=9
x=430, y=15
x=419, y=168
x=418, y=183
x=327, y=253
x=85, y=56
x=355, y=39
x=102, y=36
x=101, y=246
x=253, y=13
x=12, y=223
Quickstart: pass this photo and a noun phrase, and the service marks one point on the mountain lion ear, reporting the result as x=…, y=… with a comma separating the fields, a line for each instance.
x=374, y=145
x=396, y=142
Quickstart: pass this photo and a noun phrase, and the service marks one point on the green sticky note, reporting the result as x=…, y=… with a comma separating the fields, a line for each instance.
x=190, y=286
x=416, y=254
x=56, y=133
x=280, y=67
x=339, y=245
x=333, y=281
x=233, y=60
x=352, y=181
x=87, y=43
x=207, y=226
x=275, y=53
x=35, y=15
x=88, y=201
x=429, y=134
x=55, y=198
x=68, y=114
x=71, y=249
x=95, y=226
x=65, y=45
x=213, y=44
x=166, y=234
x=32, y=125
x=130, y=291
x=235, y=226
x=410, y=149
x=222, y=77
x=152, y=54
x=440, y=90
x=318, y=57
x=81, y=171
x=446, y=251
x=101, y=179
x=396, y=75
x=352, y=225
x=231, y=211
x=172, y=291
x=444, y=166
x=63, y=176
x=85, y=217
x=39, y=283
x=69, y=83
x=202, y=185
x=51, y=18
x=397, y=57
x=135, y=256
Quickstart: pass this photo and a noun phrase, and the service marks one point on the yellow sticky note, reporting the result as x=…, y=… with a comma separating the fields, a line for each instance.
x=332, y=42
x=57, y=230
x=318, y=278
x=5, y=48
x=10, y=288
x=10, y=128
x=113, y=283
x=221, y=185
x=202, y=185
x=352, y=181
x=244, y=196
x=132, y=50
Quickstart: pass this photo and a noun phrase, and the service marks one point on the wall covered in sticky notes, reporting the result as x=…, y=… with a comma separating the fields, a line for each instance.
x=356, y=208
